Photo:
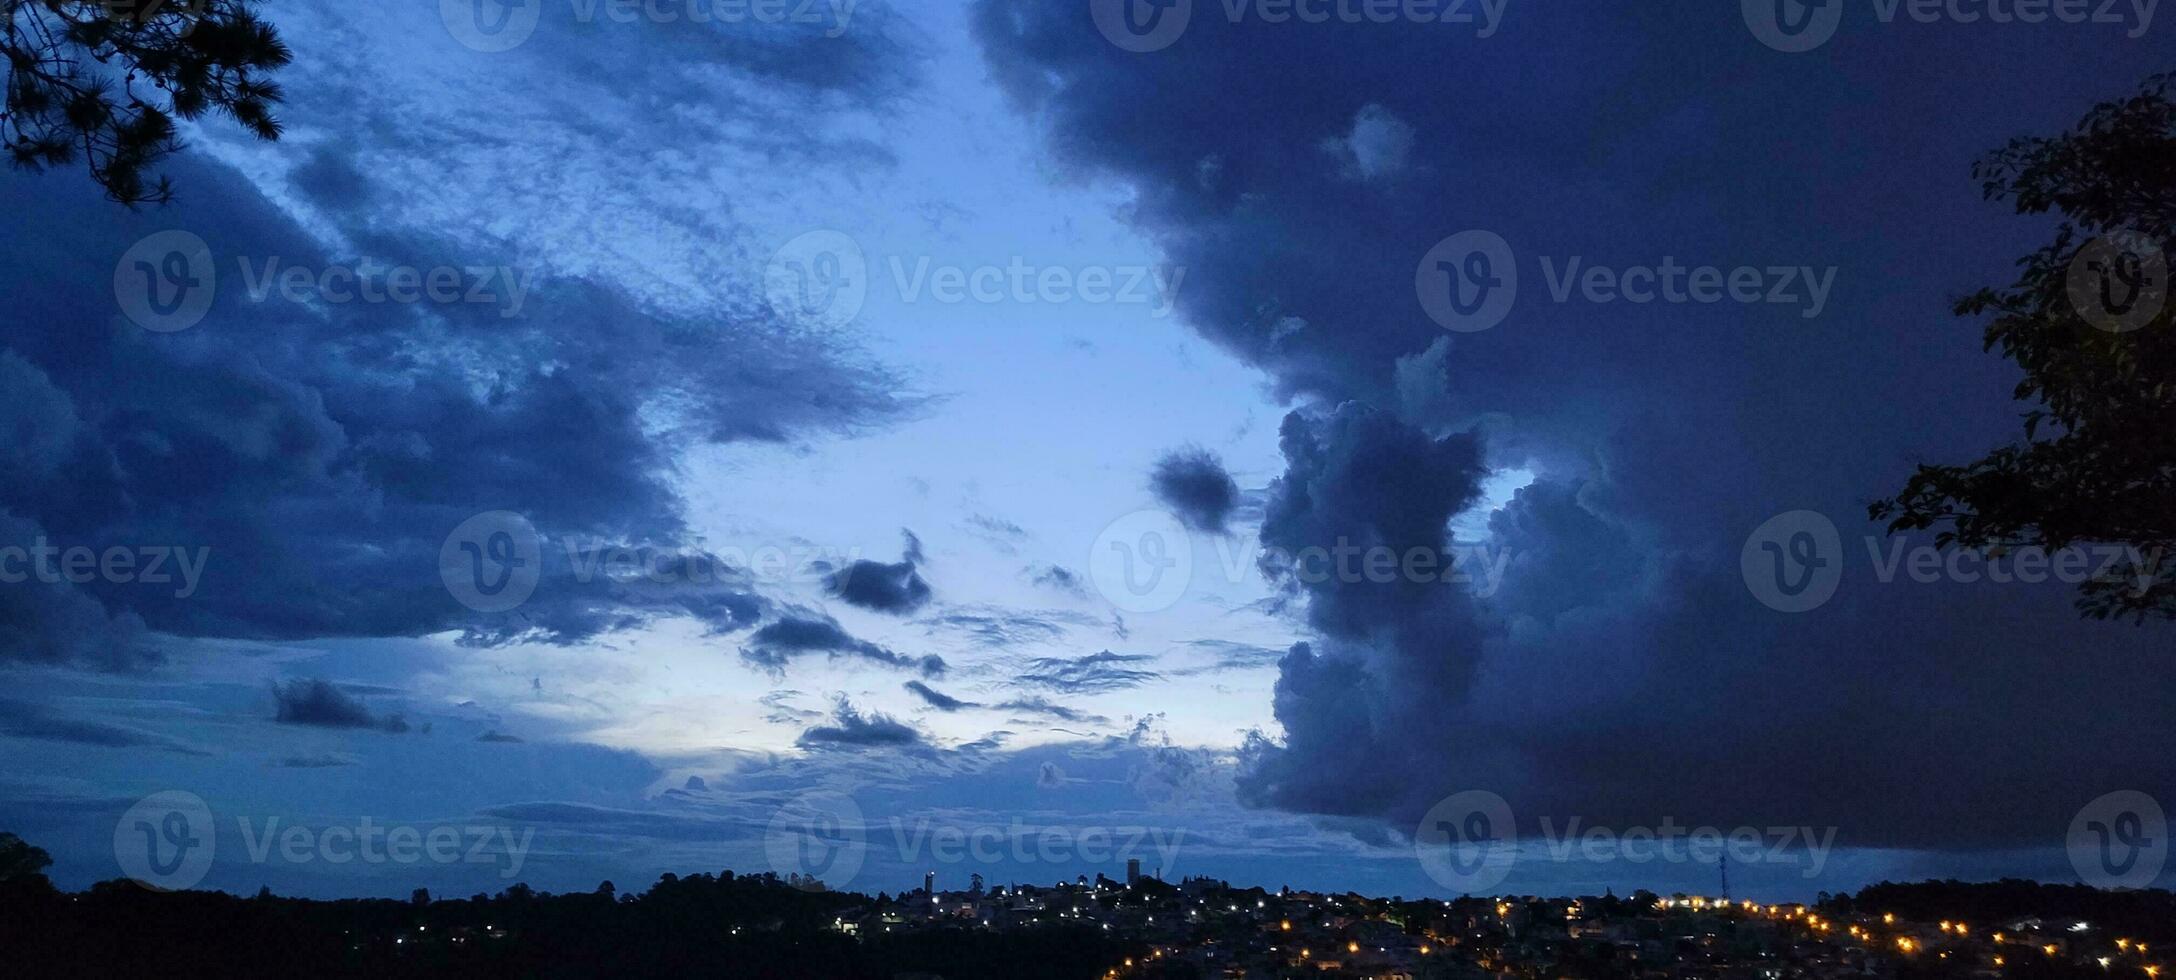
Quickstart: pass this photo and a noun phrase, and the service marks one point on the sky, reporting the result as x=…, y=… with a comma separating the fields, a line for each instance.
x=869, y=439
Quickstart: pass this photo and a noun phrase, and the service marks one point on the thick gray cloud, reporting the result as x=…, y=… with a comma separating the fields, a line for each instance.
x=322, y=448
x=322, y=453
x=1195, y=485
x=1302, y=172
x=896, y=588
x=58, y=622
x=1361, y=482
x=322, y=704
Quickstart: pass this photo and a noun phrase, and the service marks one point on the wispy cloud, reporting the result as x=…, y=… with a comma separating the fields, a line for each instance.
x=1092, y=674
x=802, y=633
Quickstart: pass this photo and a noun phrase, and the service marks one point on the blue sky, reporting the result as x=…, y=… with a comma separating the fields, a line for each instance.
x=1218, y=242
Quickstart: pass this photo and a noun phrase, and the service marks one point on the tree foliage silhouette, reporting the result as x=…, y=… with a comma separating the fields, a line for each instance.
x=101, y=82
x=2088, y=322
x=20, y=860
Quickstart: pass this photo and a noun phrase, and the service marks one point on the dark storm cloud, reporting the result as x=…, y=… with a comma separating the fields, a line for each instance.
x=1256, y=202
x=321, y=704
x=896, y=588
x=1092, y=674
x=802, y=632
x=1360, y=478
x=56, y=622
x=851, y=728
x=1621, y=672
x=322, y=453
x=938, y=699
x=1195, y=485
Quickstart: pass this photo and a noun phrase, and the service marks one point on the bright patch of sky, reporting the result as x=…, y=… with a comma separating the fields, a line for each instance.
x=1048, y=407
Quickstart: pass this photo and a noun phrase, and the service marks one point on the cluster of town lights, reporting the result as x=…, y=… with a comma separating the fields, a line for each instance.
x=1904, y=944
x=1907, y=944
